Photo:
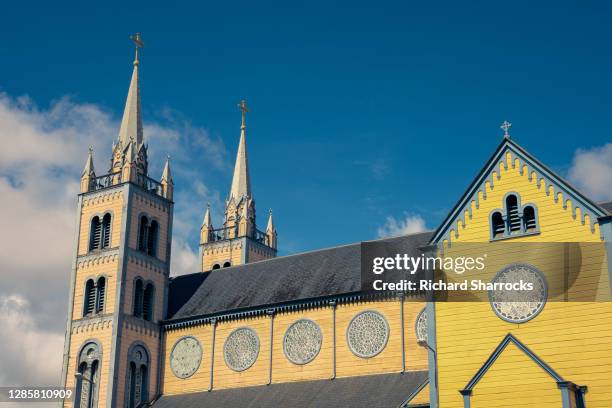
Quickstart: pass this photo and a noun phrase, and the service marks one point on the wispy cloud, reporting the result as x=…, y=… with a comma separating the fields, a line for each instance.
x=591, y=171
x=43, y=154
x=409, y=224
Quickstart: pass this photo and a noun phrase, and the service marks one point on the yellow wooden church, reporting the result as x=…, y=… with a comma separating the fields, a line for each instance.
x=251, y=329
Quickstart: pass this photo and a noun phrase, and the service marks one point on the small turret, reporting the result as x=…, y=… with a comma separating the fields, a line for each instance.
x=89, y=174
x=207, y=227
x=271, y=235
x=166, y=181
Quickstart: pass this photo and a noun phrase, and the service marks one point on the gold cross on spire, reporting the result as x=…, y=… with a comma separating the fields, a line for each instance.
x=244, y=109
x=139, y=44
x=506, y=127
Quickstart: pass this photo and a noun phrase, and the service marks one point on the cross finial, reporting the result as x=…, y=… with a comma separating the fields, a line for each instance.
x=505, y=126
x=139, y=44
x=244, y=109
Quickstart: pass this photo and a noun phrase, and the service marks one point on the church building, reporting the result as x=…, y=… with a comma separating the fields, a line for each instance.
x=251, y=329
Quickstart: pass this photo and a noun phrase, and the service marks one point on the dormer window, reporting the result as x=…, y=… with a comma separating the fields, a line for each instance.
x=514, y=219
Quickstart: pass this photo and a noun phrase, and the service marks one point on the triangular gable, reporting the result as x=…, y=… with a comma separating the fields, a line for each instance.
x=546, y=178
x=498, y=350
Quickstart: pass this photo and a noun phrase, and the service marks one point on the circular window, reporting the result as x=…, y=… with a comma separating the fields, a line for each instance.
x=302, y=341
x=519, y=306
x=241, y=349
x=420, y=326
x=367, y=334
x=185, y=357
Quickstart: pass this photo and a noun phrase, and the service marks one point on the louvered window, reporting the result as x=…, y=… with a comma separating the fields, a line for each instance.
x=143, y=231
x=95, y=233
x=101, y=292
x=90, y=298
x=147, y=307
x=138, y=298
x=529, y=219
x=106, y=229
x=514, y=221
x=497, y=224
x=152, y=238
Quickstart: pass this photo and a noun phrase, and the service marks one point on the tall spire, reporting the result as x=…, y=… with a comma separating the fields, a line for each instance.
x=131, y=123
x=207, y=221
x=167, y=174
x=241, y=182
x=89, y=166
x=270, y=227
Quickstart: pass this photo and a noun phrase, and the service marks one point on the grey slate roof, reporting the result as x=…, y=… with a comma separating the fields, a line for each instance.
x=372, y=391
x=322, y=273
x=607, y=205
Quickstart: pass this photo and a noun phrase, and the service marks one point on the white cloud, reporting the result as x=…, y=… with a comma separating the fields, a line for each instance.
x=408, y=225
x=43, y=154
x=34, y=355
x=591, y=172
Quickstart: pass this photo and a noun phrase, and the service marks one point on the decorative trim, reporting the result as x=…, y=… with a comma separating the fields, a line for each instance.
x=387, y=334
x=257, y=341
x=532, y=269
x=298, y=363
x=278, y=308
x=509, y=338
x=545, y=178
x=199, y=362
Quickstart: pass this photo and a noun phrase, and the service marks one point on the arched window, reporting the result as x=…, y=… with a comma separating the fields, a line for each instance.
x=100, y=293
x=529, y=219
x=95, y=232
x=88, y=377
x=514, y=221
x=106, y=229
x=227, y=264
x=497, y=224
x=90, y=298
x=147, y=307
x=137, y=376
x=138, y=297
x=216, y=266
x=152, y=238
x=143, y=231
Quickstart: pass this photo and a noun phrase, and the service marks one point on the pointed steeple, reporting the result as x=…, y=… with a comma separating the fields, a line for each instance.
x=270, y=227
x=207, y=222
x=89, y=166
x=166, y=174
x=241, y=182
x=131, y=123
x=271, y=235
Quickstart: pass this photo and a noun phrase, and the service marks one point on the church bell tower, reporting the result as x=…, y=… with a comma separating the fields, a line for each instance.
x=238, y=241
x=120, y=270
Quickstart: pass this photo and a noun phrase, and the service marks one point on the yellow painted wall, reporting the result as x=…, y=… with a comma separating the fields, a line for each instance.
x=515, y=378
x=131, y=334
x=347, y=364
x=574, y=338
x=98, y=204
x=155, y=209
x=221, y=252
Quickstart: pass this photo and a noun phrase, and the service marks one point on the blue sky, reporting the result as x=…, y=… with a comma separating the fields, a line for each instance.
x=358, y=112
